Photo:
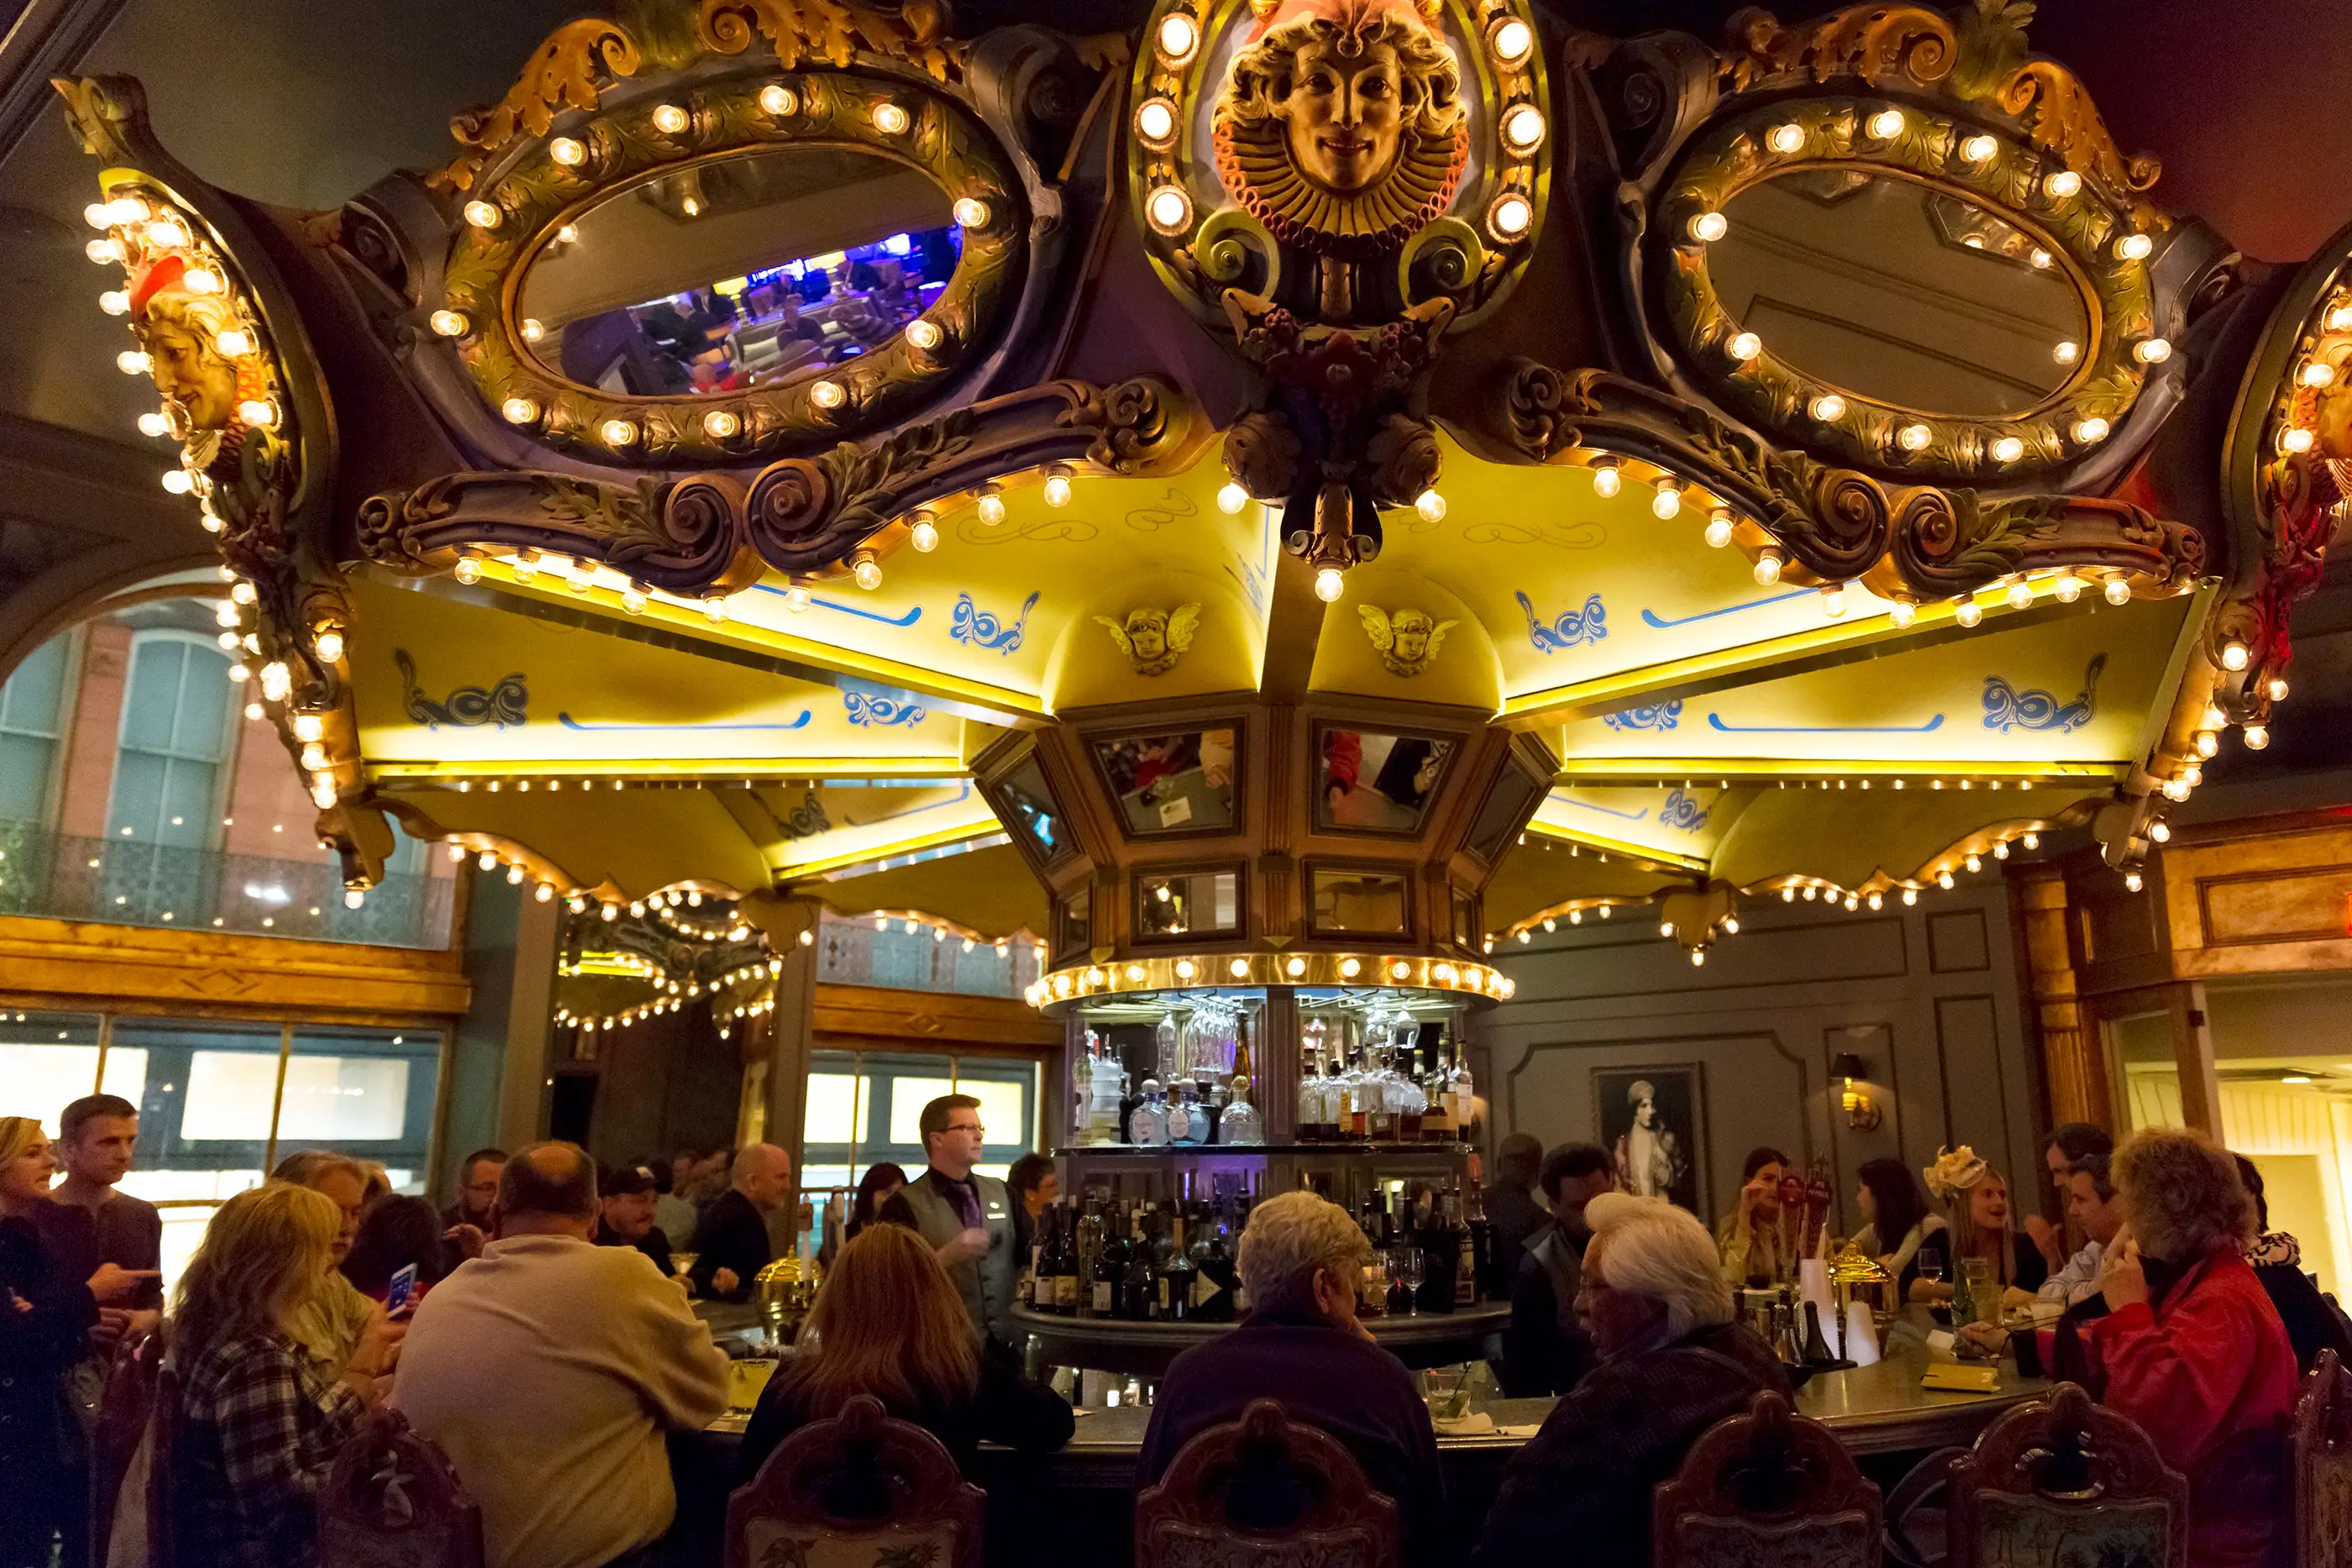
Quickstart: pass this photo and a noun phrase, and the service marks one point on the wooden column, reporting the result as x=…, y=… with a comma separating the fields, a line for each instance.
x=2193, y=1052
x=1274, y=1062
x=2074, y=1061
x=791, y=1029
x=522, y=1091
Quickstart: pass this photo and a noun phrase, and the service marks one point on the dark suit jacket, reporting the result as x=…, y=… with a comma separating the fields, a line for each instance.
x=1516, y=1219
x=1545, y=1350
x=733, y=1234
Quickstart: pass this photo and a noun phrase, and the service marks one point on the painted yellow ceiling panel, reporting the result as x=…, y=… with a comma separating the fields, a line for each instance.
x=455, y=687
x=1847, y=839
x=2074, y=688
x=1463, y=672
x=806, y=830
x=1542, y=874
x=989, y=891
x=1681, y=825
x=639, y=841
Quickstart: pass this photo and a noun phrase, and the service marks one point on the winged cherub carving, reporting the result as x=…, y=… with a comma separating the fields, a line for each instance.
x=1154, y=638
x=1408, y=640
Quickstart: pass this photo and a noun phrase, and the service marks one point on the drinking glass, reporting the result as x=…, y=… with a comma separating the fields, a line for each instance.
x=1416, y=1269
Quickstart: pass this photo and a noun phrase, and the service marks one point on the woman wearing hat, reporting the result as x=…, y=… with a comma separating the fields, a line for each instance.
x=1976, y=1219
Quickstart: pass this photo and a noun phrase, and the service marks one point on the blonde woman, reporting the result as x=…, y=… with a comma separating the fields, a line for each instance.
x=889, y=1322
x=1976, y=1219
x=260, y=1416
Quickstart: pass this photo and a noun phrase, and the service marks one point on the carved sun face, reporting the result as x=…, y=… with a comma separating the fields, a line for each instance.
x=187, y=368
x=1344, y=113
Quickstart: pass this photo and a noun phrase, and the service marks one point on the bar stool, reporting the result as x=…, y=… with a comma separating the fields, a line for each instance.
x=2319, y=1466
x=1264, y=1492
x=1767, y=1487
x=2062, y=1478
x=393, y=1500
x=861, y=1490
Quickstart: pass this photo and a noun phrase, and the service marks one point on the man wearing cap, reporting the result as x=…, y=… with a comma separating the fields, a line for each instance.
x=624, y=1215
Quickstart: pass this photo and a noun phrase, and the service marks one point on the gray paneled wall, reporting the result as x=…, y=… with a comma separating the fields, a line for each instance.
x=1928, y=996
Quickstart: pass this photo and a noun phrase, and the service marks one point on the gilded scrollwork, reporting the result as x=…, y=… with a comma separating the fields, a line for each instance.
x=572, y=67
x=838, y=31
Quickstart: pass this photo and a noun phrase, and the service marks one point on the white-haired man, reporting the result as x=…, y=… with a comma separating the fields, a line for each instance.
x=1301, y=1258
x=1674, y=1362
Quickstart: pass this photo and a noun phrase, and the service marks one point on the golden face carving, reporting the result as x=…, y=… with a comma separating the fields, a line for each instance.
x=1407, y=640
x=1154, y=639
x=1342, y=127
x=1343, y=113
x=186, y=368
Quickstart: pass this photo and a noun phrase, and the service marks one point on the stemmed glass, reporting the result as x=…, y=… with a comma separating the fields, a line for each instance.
x=1416, y=1269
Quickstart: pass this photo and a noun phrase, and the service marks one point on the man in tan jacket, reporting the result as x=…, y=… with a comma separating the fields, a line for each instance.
x=549, y=1368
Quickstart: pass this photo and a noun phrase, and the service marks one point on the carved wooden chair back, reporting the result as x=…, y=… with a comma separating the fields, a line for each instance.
x=2061, y=1480
x=2319, y=1468
x=1766, y=1486
x=1264, y=1492
x=125, y=1409
x=861, y=1490
x=393, y=1500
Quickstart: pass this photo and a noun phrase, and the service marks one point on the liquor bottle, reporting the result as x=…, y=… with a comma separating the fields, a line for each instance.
x=1240, y=1122
x=1489, y=1272
x=1179, y=1280
x=1137, y=1292
x=1065, y=1265
x=1465, y=1258
x=1148, y=1123
x=1109, y=1265
x=1163, y=1040
x=1042, y=1263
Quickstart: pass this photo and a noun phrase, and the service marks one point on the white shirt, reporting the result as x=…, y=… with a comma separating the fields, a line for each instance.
x=2078, y=1281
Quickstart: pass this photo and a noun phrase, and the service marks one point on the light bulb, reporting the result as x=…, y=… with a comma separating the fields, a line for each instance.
x=2234, y=655
x=1523, y=128
x=167, y=233
x=1970, y=612
x=2319, y=375
x=519, y=411
x=1903, y=612
x=970, y=213
x=580, y=578
x=1718, y=528
x=482, y=215
x=1178, y=36
x=567, y=151
x=2295, y=440
x=669, y=119
x=2340, y=319
x=1768, y=568
x=2062, y=184
x=924, y=534
x=103, y=251
x=154, y=424
x=1975, y=862
x=131, y=362
x=1827, y=407
x=2091, y=431
x=1834, y=600
x=2207, y=743
x=1709, y=227
x=1785, y=139
x=1056, y=492
x=1698, y=956
x=322, y=792
x=633, y=599
x=448, y=323
x=990, y=504
x=2118, y=590
x=1510, y=217
x=1512, y=41
x=233, y=343
x=257, y=413
x=2135, y=247
x=2193, y=775
x=776, y=100
x=114, y=302
x=618, y=432
x=2131, y=881
x=2020, y=594
x=796, y=598
x=2256, y=736
x=1886, y=124
x=2008, y=449
x=314, y=758
x=2152, y=350
x=1431, y=506
x=1155, y=121
x=308, y=727
x=1944, y=880
x=178, y=481
x=1745, y=346
x=924, y=334
x=721, y=424
x=867, y=572
x=1606, y=480
x=827, y=394
x=329, y=646
x=1979, y=149
x=2067, y=352
x=203, y=280
x=1231, y=498
x=714, y=610
x=1330, y=584
x=1914, y=437
x=2278, y=690
x=1668, y=500
x=1170, y=210
x=2161, y=832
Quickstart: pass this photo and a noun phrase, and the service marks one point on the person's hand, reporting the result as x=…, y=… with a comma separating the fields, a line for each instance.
x=964, y=1247
x=146, y=1322
x=2010, y=1296
x=112, y=1283
x=107, y=1332
x=1754, y=1193
x=15, y=1300
x=378, y=1351
x=723, y=1281
x=1987, y=1339
x=2122, y=1279
x=2046, y=1237
x=469, y=1237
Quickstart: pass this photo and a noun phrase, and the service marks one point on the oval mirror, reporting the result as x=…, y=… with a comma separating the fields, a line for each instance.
x=746, y=271
x=1900, y=292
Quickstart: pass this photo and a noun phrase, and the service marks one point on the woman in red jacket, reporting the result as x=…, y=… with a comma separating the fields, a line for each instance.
x=2191, y=1348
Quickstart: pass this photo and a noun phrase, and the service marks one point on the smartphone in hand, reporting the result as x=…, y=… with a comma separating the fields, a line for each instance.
x=397, y=1297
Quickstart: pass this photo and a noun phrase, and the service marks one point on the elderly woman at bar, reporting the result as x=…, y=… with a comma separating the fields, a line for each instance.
x=1674, y=1362
x=2191, y=1348
x=1302, y=1258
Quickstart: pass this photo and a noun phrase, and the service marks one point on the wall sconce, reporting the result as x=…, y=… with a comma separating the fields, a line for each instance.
x=1861, y=1114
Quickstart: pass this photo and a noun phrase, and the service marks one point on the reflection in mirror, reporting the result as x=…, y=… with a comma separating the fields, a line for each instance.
x=1023, y=800
x=1466, y=920
x=1187, y=904
x=1370, y=902
x=1378, y=783
x=1506, y=805
x=1899, y=292
x=1073, y=927
x=753, y=271
x=1171, y=783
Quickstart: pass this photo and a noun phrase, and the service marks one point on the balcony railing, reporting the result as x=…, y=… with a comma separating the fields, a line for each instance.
x=123, y=882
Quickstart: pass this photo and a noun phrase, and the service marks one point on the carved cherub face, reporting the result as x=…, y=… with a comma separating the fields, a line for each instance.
x=1412, y=629
x=1343, y=111
x=1147, y=633
x=185, y=366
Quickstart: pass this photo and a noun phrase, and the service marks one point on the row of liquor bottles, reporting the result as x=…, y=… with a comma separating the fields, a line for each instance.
x=1153, y=1262
x=1399, y=1083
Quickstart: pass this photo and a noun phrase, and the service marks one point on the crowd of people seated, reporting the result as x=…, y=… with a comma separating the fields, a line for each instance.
x=323, y=1294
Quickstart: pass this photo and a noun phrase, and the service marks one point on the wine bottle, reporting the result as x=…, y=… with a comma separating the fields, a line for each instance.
x=1041, y=1263
x=1136, y=1293
x=1066, y=1264
x=1179, y=1280
x=1111, y=1267
x=1465, y=1261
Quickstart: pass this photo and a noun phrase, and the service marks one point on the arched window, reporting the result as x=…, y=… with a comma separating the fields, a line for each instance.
x=175, y=741
x=32, y=730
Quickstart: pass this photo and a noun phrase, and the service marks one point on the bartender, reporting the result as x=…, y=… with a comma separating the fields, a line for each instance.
x=966, y=1217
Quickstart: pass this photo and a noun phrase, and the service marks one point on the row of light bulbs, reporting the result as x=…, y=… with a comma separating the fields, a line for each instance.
x=1419, y=973
x=2321, y=369
x=915, y=924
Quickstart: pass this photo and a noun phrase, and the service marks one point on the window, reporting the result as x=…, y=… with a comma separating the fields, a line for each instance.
x=174, y=738
x=863, y=1107
x=32, y=720
x=220, y=1103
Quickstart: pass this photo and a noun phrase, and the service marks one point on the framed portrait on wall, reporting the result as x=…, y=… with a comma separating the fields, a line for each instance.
x=1652, y=1121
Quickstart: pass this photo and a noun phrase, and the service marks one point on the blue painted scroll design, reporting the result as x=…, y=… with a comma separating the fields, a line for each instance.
x=2007, y=708
x=601, y=726
x=1570, y=629
x=467, y=708
x=982, y=629
x=871, y=706
x=1604, y=811
x=1664, y=716
x=1655, y=621
x=1715, y=720
x=1681, y=812
x=908, y=619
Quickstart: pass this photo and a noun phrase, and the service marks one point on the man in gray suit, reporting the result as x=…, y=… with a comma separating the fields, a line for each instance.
x=966, y=1218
